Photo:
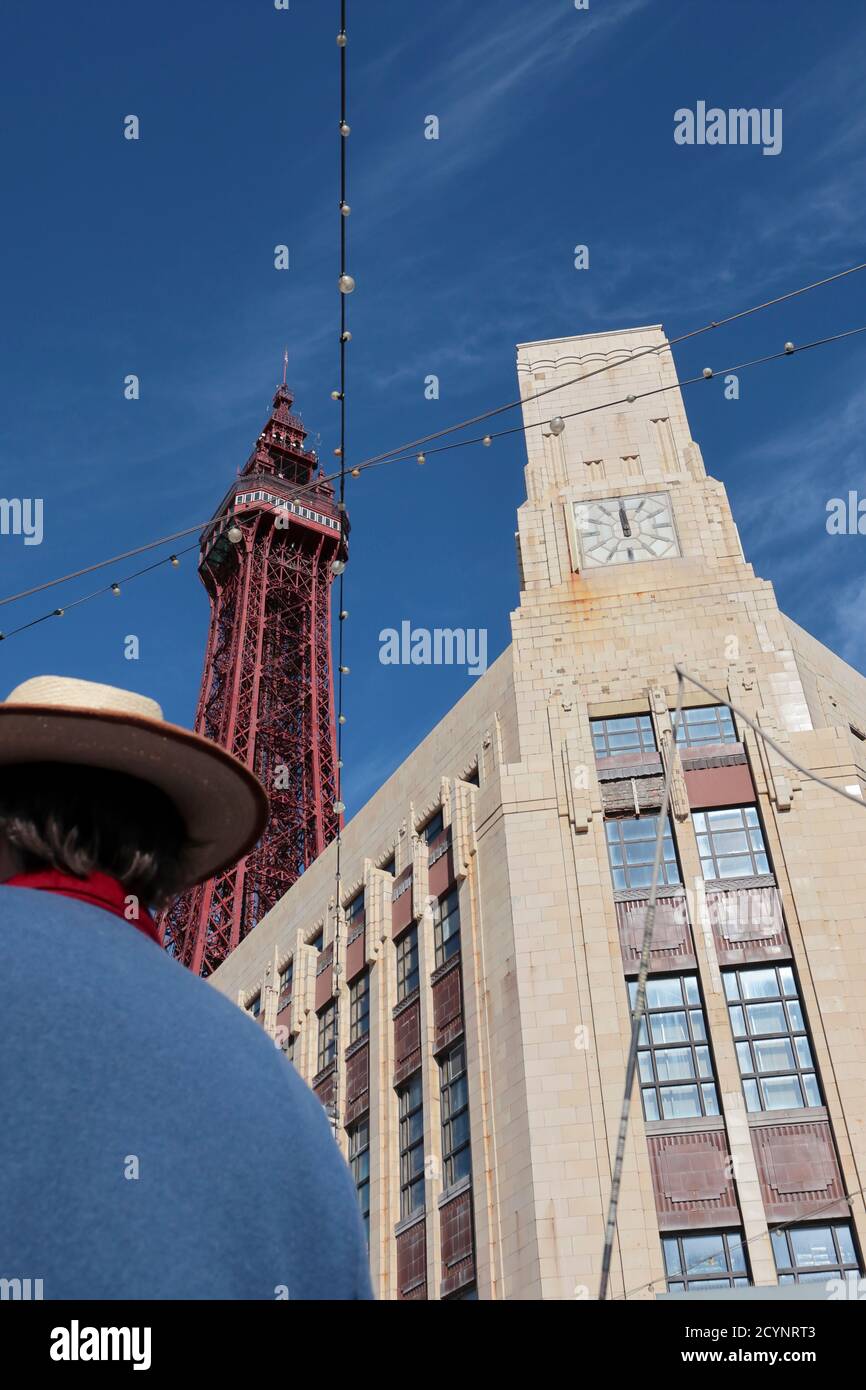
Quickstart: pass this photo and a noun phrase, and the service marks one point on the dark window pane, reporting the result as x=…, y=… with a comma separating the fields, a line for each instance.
x=650, y=1105
x=767, y=1018
x=846, y=1245
x=680, y=1102
x=782, y=1093
x=774, y=1054
x=669, y=1028
x=812, y=1245
x=461, y=1165
x=810, y=1086
x=758, y=984
x=672, y=1049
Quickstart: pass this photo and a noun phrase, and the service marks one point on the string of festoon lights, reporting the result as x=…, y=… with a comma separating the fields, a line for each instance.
x=639, y=1007
x=555, y=425
x=407, y=449
x=830, y=1207
x=345, y=285
x=609, y=366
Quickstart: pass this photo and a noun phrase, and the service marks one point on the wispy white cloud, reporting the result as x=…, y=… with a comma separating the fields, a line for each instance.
x=795, y=471
x=481, y=77
x=849, y=623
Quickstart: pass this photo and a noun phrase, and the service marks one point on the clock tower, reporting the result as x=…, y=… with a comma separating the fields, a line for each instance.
x=630, y=564
x=495, y=891
x=623, y=534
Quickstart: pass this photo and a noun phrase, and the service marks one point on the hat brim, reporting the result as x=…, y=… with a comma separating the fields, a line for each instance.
x=223, y=806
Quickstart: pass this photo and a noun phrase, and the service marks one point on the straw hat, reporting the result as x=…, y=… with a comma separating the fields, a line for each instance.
x=55, y=719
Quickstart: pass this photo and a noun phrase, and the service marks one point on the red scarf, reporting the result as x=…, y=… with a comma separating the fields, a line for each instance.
x=97, y=889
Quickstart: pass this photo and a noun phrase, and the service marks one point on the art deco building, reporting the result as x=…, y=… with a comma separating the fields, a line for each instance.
x=465, y=1005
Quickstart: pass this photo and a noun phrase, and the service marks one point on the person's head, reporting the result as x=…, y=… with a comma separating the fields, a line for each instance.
x=94, y=779
x=82, y=820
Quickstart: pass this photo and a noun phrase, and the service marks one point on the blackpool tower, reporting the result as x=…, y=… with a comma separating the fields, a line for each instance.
x=268, y=558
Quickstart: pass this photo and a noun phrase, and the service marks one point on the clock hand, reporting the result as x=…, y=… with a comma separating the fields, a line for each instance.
x=623, y=521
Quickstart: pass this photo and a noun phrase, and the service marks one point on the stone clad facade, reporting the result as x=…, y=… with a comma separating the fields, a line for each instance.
x=475, y=972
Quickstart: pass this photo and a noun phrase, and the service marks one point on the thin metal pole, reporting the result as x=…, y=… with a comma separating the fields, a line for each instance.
x=639, y=1009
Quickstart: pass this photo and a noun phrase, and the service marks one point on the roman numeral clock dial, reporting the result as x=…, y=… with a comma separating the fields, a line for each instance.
x=625, y=530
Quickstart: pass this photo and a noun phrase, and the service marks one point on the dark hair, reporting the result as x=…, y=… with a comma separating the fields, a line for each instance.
x=83, y=820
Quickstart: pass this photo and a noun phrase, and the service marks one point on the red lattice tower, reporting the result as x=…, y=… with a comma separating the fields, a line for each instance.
x=267, y=690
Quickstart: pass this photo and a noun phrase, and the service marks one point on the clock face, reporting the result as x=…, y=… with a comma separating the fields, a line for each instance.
x=624, y=530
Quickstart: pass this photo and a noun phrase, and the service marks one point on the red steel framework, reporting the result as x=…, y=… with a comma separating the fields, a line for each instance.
x=267, y=691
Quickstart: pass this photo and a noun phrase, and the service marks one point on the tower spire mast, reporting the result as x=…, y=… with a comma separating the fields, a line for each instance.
x=267, y=691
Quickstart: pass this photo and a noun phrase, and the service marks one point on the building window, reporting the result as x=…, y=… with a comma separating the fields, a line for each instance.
x=434, y=827
x=316, y=942
x=359, y=1162
x=815, y=1254
x=706, y=724
x=254, y=1007
x=708, y=1258
x=631, y=734
x=355, y=908
x=288, y=1045
x=771, y=1037
x=286, y=978
x=359, y=1007
x=446, y=927
x=631, y=847
x=454, y=1095
x=472, y=777
x=407, y=964
x=390, y=866
x=327, y=1049
x=411, y=1147
x=674, y=1062
x=730, y=843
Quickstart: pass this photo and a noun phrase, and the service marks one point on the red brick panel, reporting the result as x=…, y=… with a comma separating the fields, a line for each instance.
x=711, y=755
x=440, y=861
x=632, y=793
x=748, y=925
x=719, y=786
x=407, y=1041
x=458, y=1253
x=284, y=1017
x=357, y=1081
x=798, y=1171
x=325, y=977
x=691, y=1180
x=643, y=763
x=402, y=909
x=447, y=1004
x=412, y=1262
x=356, y=952
x=672, y=945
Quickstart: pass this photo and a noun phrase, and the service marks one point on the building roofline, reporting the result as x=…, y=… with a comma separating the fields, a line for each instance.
x=586, y=337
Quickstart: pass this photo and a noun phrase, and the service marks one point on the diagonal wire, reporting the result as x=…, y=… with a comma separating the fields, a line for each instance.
x=745, y=1242
x=638, y=1012
x=629, y=399
x=609, y=366
x=649, y=923
x=204, y=527
x=812, y=776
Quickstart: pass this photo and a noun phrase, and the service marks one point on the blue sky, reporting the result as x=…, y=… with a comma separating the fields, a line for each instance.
x=156, y=257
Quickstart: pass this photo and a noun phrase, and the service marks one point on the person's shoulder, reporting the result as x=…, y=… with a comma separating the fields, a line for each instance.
x=110, y=958
x=144, y=1025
